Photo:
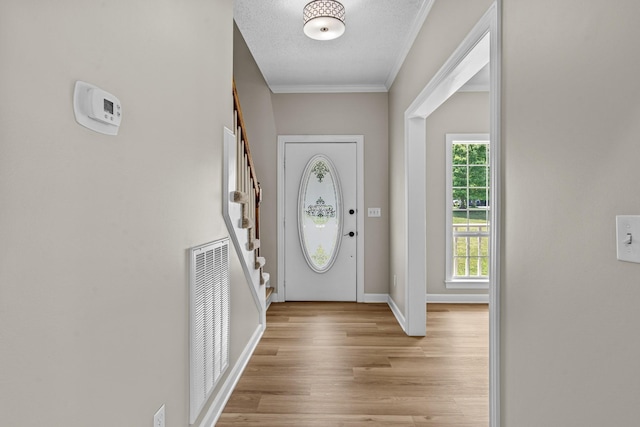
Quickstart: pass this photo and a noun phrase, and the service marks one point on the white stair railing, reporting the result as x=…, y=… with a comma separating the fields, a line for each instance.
x=242, y=205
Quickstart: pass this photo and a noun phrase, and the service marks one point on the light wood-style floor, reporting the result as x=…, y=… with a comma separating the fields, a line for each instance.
x=347, y=364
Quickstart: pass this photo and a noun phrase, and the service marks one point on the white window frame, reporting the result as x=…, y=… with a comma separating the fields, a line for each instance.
x=450, y=281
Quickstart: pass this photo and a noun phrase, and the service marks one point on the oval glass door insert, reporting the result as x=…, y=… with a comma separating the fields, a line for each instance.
x=319, y=213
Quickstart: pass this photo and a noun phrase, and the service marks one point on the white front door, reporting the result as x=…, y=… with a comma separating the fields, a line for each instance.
x=320, y=231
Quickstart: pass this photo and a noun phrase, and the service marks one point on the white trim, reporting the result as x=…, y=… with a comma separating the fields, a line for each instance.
x=416, y=26
x=466, y=284
x=223, y=395
x=444, y=83
x=415, y=225
x=471, y=56
x=458, y=298
x=280, y=210
x=496, y=213
x=359, y=140
x=327, y=88
x=376, y=298
x=398, y=313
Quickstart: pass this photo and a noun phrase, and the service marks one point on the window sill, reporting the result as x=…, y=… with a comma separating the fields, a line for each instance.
x=467, y=284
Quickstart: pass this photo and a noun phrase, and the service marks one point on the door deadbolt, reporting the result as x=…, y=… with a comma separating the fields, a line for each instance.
x=352, y=211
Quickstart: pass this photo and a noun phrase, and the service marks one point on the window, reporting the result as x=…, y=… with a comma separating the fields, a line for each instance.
x=468, y=204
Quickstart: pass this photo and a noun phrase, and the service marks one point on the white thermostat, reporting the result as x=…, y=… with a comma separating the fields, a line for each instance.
x=96, y=109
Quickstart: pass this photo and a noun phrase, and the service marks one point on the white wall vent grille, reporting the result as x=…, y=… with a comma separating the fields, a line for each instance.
x=209, y=293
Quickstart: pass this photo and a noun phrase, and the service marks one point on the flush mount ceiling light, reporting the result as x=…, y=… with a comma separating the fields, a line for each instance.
x=324, y=19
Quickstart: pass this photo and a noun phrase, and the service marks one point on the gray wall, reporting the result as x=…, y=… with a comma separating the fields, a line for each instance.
x=446, y=26
x=94, y=230
x=464, y=112
x=571, y=122
x=351, y=114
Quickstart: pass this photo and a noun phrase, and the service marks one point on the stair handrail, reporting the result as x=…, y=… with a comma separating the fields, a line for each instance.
x=245, y=140
x=249, y=185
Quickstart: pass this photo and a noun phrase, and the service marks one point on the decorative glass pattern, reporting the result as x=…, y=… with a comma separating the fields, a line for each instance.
x=320, y=213
x=319, y=207
x=319, y=170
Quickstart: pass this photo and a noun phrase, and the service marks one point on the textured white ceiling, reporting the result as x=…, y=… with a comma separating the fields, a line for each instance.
x=367, y=57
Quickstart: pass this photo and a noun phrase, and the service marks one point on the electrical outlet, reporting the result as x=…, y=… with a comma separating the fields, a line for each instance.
x=374, y=212
x=158, y=418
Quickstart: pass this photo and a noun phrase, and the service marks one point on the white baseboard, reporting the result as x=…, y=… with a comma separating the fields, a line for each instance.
x=376, y=298
x=396, y=312
x=432, y=298
x=458, y=298
x=221, y=399
x=368, y=298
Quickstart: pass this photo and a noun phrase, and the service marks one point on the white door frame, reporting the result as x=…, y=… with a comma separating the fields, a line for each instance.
x=467, y=59
x=359, y=140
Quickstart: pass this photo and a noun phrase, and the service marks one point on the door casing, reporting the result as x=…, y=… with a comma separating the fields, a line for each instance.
x=441, y=86
x=359, y=141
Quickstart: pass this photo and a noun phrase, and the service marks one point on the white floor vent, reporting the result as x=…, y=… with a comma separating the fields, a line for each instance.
x=209, y=283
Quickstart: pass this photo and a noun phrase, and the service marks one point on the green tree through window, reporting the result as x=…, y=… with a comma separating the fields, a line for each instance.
x=468, y=241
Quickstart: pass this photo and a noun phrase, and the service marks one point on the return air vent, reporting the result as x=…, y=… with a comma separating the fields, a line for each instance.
x=209, y=290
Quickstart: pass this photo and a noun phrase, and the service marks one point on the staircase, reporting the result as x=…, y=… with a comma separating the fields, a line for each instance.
x=241, y=207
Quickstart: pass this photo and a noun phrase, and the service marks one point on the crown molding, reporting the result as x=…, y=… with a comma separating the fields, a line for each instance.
x=408, y=42
x=327, y=88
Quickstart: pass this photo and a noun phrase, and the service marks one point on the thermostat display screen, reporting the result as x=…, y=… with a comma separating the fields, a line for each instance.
x=108, y=106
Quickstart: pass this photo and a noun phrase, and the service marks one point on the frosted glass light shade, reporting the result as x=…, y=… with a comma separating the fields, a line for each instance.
x=324, y=19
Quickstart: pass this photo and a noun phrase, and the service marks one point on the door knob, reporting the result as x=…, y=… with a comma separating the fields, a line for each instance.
x=350, y=234
x=351, y=211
